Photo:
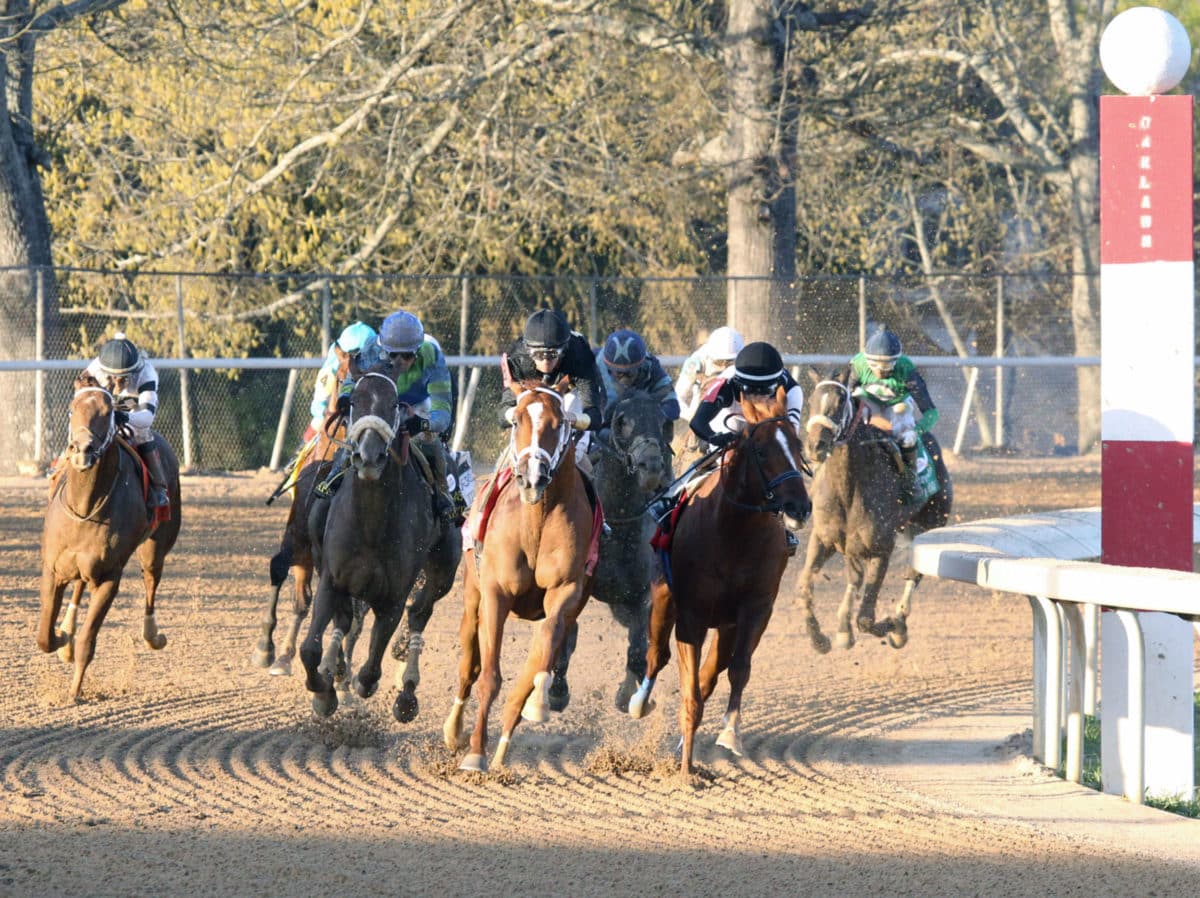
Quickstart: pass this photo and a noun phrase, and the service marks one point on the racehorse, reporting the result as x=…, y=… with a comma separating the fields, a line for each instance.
x=632, y=465
x=726, y=558
x=295, y=555
x=861, y=509
x=96, y=519
x=370, y=541
x=531, y=561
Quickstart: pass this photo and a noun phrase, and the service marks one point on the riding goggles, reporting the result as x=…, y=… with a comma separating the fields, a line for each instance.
x=402, y=356
x=546, y=353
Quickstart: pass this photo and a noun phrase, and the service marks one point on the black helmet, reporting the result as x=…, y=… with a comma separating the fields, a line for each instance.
x=546, y=329
x=757, y=368
x=883, y=347
x=119, y=357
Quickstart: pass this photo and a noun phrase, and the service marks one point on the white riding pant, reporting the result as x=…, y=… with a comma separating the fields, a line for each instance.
x=904, y=425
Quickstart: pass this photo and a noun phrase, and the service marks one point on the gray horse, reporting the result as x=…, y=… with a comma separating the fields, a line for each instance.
x=632, y=464
x=862, y=510
x=371, y=540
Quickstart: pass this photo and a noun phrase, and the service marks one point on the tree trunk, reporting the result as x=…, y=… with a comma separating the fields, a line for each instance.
x=24, y=245
x=761, y=148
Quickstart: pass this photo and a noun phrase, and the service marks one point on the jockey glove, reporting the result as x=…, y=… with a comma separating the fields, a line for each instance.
x=721, y=438
x=416, y=424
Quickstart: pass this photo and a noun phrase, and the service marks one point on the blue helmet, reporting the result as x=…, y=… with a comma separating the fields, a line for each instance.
x=356, y=337
x=624, y=350
x=883, y=347
x=401, y=332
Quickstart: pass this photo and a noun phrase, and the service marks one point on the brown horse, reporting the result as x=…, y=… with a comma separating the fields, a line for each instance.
x=295, y=555
x=531, y=563
x=96, y=519
x=371, y=540
x=727, y=556
x=861, y=509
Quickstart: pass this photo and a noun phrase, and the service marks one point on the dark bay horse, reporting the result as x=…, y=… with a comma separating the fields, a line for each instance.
x=295, y=555
x=727, y=557
x=532, y=563
x=861, y=510
x=96, y=520
x=631, y=466
x=371, y=540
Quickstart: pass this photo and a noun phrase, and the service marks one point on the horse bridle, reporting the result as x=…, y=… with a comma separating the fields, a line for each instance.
x=842, y=427
x=98, y=452
x=771, y=504
x=374, y=423
x=552, y=459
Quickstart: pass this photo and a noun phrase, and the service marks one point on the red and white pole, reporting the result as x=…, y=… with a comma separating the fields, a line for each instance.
x=1147, y=384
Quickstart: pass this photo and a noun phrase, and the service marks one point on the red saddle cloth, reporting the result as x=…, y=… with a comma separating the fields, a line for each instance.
x=479, y=521
x=665, y=532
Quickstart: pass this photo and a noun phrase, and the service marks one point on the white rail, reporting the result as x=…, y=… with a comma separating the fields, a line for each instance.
x=1043, y=557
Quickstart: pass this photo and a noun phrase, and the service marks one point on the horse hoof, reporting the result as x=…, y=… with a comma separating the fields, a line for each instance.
x=263, y=657
x=324, y=703
x=640, y=706
x=66, y=652
x=820, y=643
x=282, y=667
x=537, y=707
x=474, y=763
x=898, y=637
x=844, y=640
x=365, y=690
x=405, y=708
x=560, y=694
x=731, y=741
x=158, y=642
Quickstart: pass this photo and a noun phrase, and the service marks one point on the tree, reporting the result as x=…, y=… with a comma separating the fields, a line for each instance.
x=24, y=224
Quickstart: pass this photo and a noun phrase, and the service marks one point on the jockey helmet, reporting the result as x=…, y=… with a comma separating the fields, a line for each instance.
x=355, y=337
x=624, y=350
x=401, y=332
x=724, y=344
x=757, y=368
x=546, y=329
x=882, y=350
x=119, y=357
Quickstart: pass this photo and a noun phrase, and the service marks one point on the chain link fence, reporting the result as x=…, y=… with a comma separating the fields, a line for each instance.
x=237, y=417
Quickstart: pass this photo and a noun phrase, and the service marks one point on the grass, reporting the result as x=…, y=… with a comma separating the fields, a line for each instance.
x=1177, y=804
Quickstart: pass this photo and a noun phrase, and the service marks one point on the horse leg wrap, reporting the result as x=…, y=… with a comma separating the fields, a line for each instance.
x=537, y=706
x=409, y=677
x=329, y=661
x=66, y=651
x=501, y=752
x=150, y=633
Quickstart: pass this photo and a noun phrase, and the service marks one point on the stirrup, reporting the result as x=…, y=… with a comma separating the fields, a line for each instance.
x=324, y=489
x=793, y=542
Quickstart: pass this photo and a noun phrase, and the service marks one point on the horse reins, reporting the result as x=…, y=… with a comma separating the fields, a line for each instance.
x=96, y=455
x=768, y=486
x=554, y=459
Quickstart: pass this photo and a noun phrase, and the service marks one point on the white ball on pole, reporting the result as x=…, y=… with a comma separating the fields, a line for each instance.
x=1145, y=50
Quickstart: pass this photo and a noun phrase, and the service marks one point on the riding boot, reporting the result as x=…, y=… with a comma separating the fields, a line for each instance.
x=329, y=485
x=158, y=479
x=443, y=505
x=909, y=454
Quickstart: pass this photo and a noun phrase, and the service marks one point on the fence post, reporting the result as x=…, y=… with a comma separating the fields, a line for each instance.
x=464, y=319
x=284, y=413
x=326, y=318
x=999, y=355
x=593, y=311
x=39, y=377
x=185, y=401
x=862, y=313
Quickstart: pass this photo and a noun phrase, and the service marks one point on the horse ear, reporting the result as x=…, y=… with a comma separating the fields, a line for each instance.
x=813, y=374
x=354, y=369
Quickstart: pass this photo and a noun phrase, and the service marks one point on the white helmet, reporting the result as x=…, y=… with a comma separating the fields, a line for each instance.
x=724, y=343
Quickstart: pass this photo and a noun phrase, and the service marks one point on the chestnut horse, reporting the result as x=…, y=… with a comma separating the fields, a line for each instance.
x=632, y=466
x=96, y=519
x=861, y=510
x=371, y=540
x=531, y=563
x=727, y=556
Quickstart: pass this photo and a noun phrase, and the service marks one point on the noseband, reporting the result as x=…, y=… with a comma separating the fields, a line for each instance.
x=374, y=423
x=552, y=459
x=846, y=417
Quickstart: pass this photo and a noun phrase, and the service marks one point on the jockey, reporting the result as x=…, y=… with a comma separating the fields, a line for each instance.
x=549, y=350
x=418, y=367
x=757, y=371
x=888, y=383
x=713, y=358
x=123, y=370
x=357, y=340
x=625, y=365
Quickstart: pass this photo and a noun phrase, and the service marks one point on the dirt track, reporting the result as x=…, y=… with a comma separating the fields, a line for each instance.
x=872, y=771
